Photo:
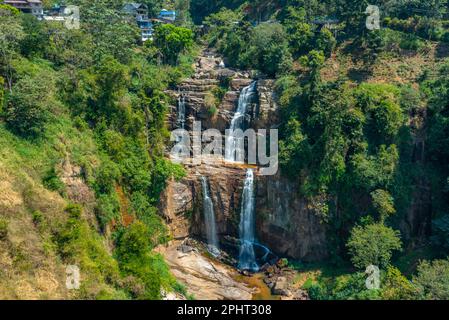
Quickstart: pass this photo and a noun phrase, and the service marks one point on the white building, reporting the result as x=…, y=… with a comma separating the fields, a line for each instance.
x=27, y=6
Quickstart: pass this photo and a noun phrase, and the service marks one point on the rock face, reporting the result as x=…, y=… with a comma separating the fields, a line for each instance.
x=182, y=202
x=200, y=94
x=266, y=114
x=286, y=223
x=206, y=279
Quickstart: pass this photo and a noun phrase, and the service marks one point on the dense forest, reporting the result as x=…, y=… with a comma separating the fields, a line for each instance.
x=364, y=134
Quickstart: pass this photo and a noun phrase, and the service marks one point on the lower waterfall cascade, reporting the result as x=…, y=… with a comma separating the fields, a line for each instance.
x=209, y=219
x=247, y=257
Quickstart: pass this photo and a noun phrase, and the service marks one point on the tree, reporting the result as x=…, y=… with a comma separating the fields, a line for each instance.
x=381, y=103
x=154, y=6
x=28, y=109
x=396, y=286
x=375, y=171
x=383, y=202
x=11, y=33
x=440, y=230
x=268, y=49
x=291, y=148
x=135, y=259
x=300, y=33
x=112, y=33
x=2, y=93
x=373, y=244
x=325, y=42
x=172, y=41
x=432, y=280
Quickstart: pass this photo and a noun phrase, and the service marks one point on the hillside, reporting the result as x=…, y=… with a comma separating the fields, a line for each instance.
x=88, y=177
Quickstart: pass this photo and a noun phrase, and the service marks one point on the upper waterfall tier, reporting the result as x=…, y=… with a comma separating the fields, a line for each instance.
x=234, y=144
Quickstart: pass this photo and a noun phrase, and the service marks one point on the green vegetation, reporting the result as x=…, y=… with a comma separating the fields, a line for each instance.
x=372, y=245
x=364, y=129
x=351, y=128
x=90, y=100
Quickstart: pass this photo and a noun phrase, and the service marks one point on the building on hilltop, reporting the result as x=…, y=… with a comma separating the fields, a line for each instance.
x=167, y=15
x=140, y=13
x=33, y=7
x=137, y=10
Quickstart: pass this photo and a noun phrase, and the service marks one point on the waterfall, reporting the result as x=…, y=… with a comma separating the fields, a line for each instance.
x=233, y=152
x=209, y=219
x=247, y=258
x=181, y=111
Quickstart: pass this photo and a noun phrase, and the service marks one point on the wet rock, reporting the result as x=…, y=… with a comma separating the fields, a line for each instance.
x=204, y=278
x=264, y=267
x=287, y=223
x=281, y=287
x=185, y=248
x=238, y=84
x=224, y=74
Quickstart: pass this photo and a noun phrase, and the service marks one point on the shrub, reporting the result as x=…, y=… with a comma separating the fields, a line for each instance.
x=353, y=287
x=37, y=217
x=432, y=280
x=325, y=42
x=12, y=10
x=78, y=244
x=397, y=287
x=3, y=229
x=210, y=102
x=383, y=202
x=2, y=93
x=108, y=208
x=52, y=182
x=440, y=230
x=410, y=42
x=381, y=104
x=27, y=112
x=135, y=259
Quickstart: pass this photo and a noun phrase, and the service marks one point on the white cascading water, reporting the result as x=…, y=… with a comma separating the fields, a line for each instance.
x=181, y=111
x=247, y=258
x=233, y=152
x=209, y=219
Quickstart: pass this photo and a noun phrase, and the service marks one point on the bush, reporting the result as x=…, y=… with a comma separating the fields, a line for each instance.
x=27, y=112
x=78, y=244
x=52, y=182
x=2, y=93
x=37, y=217
x=3, y=229
x=325, y=42
x=381, y=104
x=383, y=202
x=440, y=230
x=136, y=260
x=397, y=287
x=410, y=42
x=108, y=209
x=432, y=280
x=353, y=287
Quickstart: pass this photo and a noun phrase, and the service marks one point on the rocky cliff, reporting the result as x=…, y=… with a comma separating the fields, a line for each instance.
x=285, y=223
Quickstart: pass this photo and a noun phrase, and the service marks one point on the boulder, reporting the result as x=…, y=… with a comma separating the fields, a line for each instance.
x=281, y=287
